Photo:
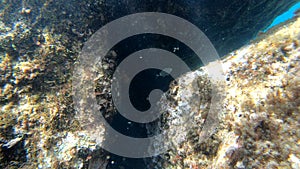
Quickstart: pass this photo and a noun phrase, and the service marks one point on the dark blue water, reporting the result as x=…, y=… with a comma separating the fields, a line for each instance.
x=141, y=86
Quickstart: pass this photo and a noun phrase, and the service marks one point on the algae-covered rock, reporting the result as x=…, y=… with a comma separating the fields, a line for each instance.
x=259, y=123
x=39, y=44
x=229, y=24
x=38, y=129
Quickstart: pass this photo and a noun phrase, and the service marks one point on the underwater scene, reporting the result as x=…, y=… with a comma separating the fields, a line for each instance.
x=149, y=84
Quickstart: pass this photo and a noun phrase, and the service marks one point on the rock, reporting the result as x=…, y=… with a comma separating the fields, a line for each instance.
x=259, y=116
x=228, y=24
x=38, y=47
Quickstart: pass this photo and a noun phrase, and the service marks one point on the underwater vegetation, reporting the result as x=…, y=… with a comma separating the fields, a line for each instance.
x=259, y=121
x=39, y=44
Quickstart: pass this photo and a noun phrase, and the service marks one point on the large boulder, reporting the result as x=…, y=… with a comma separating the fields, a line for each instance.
x=258, y=114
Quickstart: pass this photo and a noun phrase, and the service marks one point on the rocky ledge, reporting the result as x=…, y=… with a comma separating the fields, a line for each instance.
x=258, y=122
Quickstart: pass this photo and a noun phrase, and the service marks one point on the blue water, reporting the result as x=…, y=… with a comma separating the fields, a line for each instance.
x=285, y=16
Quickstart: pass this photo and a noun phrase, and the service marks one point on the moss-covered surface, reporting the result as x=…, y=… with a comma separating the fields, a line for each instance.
x=259, y=123
x=40, y=41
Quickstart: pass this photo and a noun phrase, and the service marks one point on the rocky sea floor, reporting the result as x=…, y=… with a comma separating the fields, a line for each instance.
x=258, y=123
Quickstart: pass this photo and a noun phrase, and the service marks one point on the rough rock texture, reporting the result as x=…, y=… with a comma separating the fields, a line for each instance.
x=37, y=125
x=259, y=123
x=40, y=41
x=229, y=24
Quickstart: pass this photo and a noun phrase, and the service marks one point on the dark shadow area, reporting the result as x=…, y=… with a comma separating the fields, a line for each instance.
x=13, y=156
x=140, y=87
x=144, y=41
